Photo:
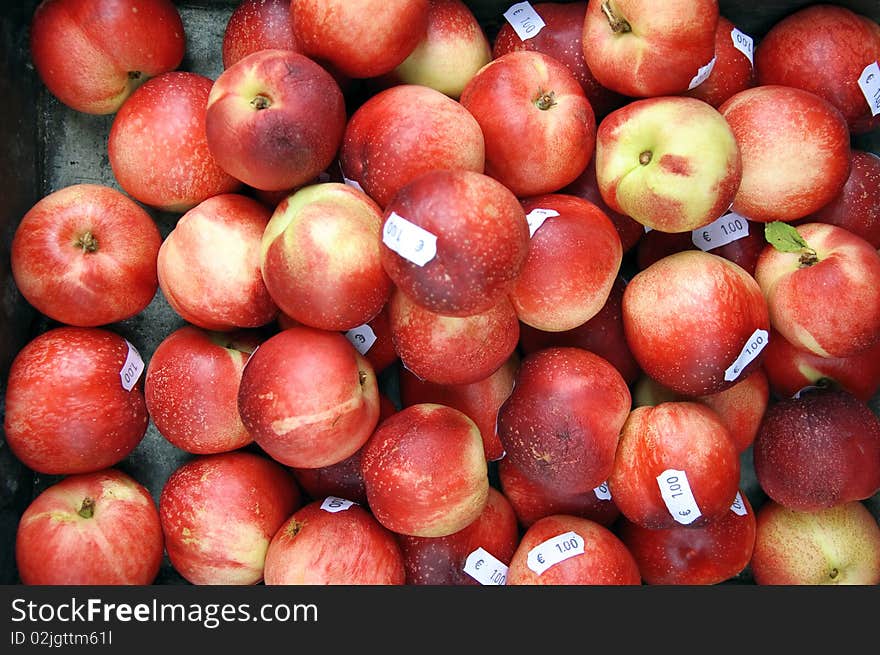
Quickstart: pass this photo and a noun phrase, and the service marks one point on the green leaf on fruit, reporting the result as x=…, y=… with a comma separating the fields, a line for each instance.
x=784, y=237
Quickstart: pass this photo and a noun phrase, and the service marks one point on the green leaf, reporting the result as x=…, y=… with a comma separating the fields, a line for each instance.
x=784, y=237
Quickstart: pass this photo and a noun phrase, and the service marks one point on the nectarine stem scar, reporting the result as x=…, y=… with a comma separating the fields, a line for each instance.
x=87, y=509
x=645, y=157
x=86, y=242
x=618, y=24
x=545, y=100
x=261, y=102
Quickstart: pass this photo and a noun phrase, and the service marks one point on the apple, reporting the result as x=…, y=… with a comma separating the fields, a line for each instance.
x=92, y=54
x=539, y=127
x=560, y=424
x=256, y=25
x=733, y=70
x=75, y=401
x=639, y=48
x=834, y=546
x=570, y=550
x=85, y=255
x=157, y=146
x=454, y=241
x=308, y=397
x=219, y=514
x=403, y=132
x=99, y=528
x=778, y=128
x=425, y=472
x=333, y=541
x=672, y=163
x=819, y=450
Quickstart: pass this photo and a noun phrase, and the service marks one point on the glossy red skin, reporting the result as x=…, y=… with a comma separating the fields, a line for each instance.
x=732, y=72
x=482, y=241
x=778, y=128
x=602, y=335
x=66, y=409
x=364, y=39
x=405, y=131
x=257, y=25
x=687, y=318
x=84, y=50
x=529, y=149
x=682, y=435
x=425, y=472
x=818, y=451
x=823, y=49
x=560, y=424
x=441, y=560
x=605, y=561
x=157, y=146
x=296, y=421
x=59, y=278
x=219, y=513
x=348, y=547
x=532, y=501
x=857, y=207
x=120, y=544
x=191, y=388
x=573, y=260
x=480, y=400
x=217, y=292
x=561, y=38
x=704, y=555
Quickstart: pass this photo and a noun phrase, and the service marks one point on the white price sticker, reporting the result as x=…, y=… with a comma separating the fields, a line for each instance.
x=536, y=218
x=754, y=345
x=702, y=74
x=738, y=507
x=555, y=550
x=485, y=568
x=602, y=492
x=524, y=20
x=409, y=240
x=362, y=338
x=869, y=82
x=726, y=229
x=131, y=370
x=744, y=43
x=335, y=504
x=677, y=494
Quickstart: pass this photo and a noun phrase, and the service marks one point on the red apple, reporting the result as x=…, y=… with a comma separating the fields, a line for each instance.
x=157, y=146
x=75, y=401
x=257, y=25
x=91, y=54
x=219, y=514
x=85, y=255
x=539, y=127
x=733, y=70
x=98, y=528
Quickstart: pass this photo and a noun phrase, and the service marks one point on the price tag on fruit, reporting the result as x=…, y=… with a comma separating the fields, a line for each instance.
x=677, y=494
x=555, y=550
x=702, y=74
x=408, y=240
x=362, y=338
x=738, y=507
x=485, y=568
x=131, y=370
x=335, y=504
x=524, y=20
x=869, y=83
x=726, y=229
x=744, y=43
x=536, y=218
x=754, y=345
x=602, y=492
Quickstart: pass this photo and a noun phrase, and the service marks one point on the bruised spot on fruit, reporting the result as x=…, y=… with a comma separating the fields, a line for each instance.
x=294, y=528
x=87, y=509
x=86, y=242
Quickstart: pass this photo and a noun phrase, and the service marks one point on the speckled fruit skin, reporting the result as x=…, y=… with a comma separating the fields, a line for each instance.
x=120, y=543
x=425, y=471
x=605, y=560
x=219, y=513
x=441, y=560
x=687, y=318
x=482, y=241
x=66, y=409
x=256, y=25
x=705, y=555
x=681, y=436
x=732, y=72
x=834, y=546
x=561, y=423
x=818, y=451
x=346, y=547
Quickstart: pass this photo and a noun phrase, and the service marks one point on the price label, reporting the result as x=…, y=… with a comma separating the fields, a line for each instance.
x=335, y=504
x=754, y=345
x=738, y=507
x=131, y=370
x=362, y=338
x=869, y=82
x=408, y=240
x=555, y=550
x=744, y=43
x=677, y=494
x=602, y=492
x=702, y=74
x=726, y=229
x=524, y=20
x=485, y=568
x=806, y=389
x=536, y=218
